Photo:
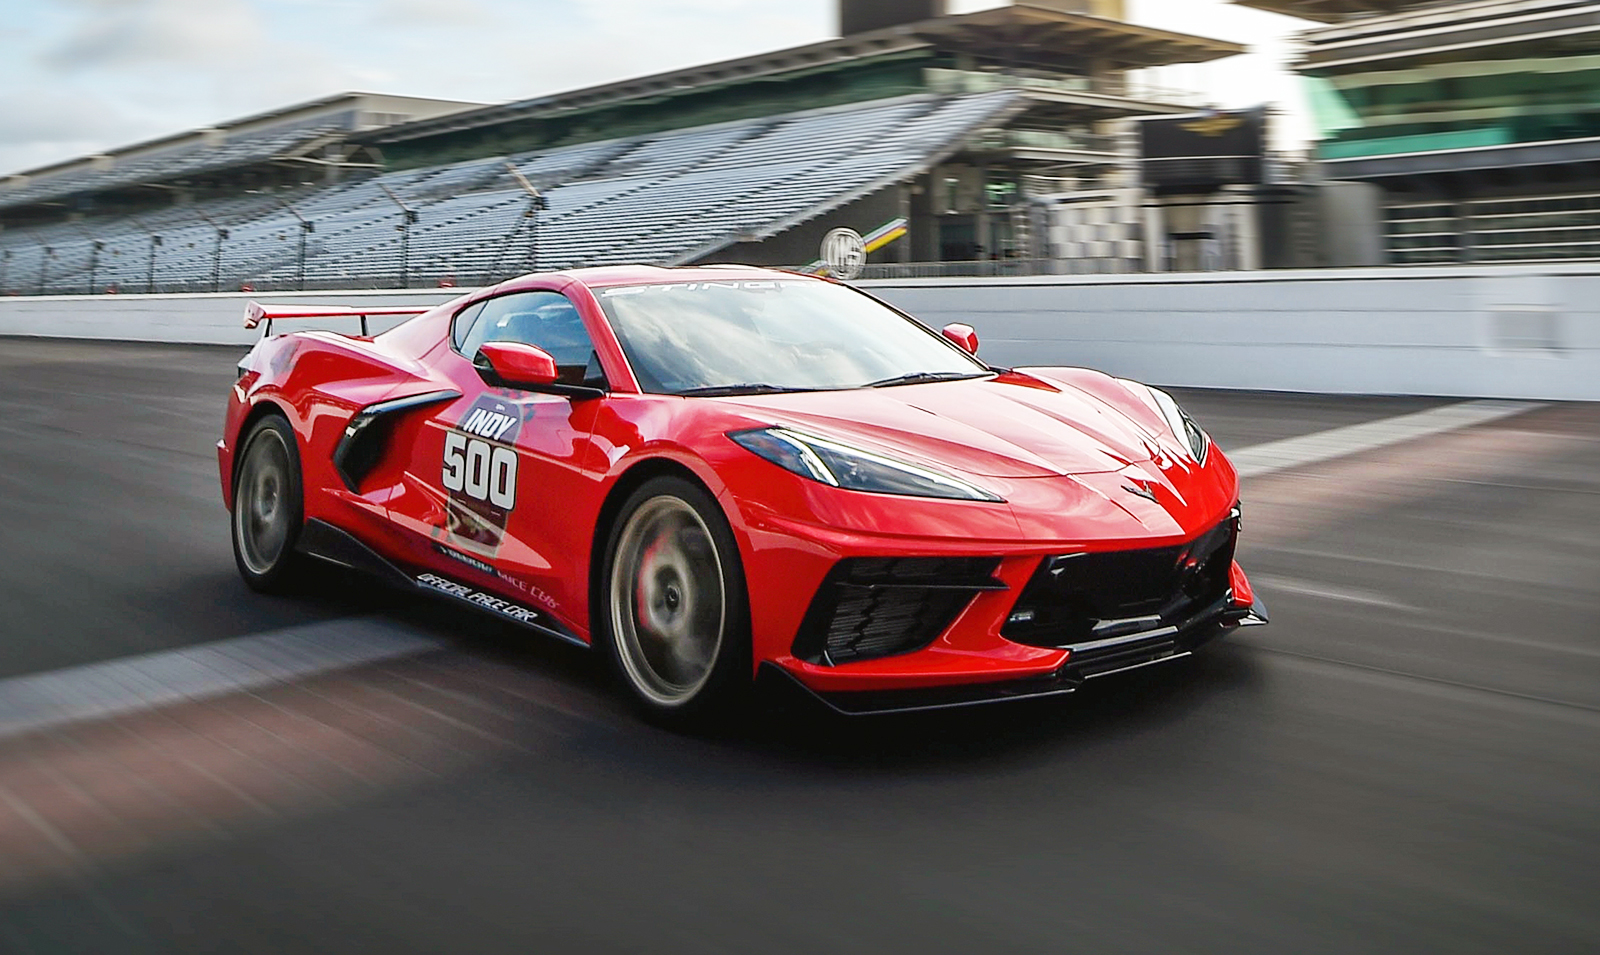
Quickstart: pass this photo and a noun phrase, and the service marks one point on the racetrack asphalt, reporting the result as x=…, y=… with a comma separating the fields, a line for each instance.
x=1405, y=761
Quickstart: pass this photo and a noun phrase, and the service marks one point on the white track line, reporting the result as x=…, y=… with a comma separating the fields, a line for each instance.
x=1370, y=598
x=1369, y=436
x=130, y=684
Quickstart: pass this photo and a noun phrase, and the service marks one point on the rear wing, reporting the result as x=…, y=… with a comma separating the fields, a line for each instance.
x=256, y=314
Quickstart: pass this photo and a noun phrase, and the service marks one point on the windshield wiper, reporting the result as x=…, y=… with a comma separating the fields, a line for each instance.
x=749, y=388
x=923, y=377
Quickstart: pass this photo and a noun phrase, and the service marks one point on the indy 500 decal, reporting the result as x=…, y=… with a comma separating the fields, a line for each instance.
x=479, y=472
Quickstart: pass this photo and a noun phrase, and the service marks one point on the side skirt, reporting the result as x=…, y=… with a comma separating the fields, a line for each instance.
x=324, y=541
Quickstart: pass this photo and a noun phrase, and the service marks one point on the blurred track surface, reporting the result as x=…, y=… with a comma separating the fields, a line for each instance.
x=1405, y=761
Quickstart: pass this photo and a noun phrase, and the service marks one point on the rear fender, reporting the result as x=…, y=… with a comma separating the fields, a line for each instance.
x=319, y=381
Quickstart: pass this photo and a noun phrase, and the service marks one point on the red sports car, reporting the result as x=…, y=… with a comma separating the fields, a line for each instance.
x=728, y=475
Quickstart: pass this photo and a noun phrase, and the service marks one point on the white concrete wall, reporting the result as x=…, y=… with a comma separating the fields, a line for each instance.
x=1514, y=332
x=202, y=319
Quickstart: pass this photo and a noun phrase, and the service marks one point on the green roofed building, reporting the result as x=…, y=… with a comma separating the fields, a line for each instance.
x=1480, y=120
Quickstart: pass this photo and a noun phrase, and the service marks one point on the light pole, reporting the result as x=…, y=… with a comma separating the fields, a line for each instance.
x=155, y=243
x=537, y=203
x=150, y=272
x=216, y=256
x=5, y=266
x=306, y=228
x=44, y=266
x=408, y=217
x=95, y=246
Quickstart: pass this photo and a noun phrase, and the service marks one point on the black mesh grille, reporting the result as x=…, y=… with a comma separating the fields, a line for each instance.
x=1078, y=598
x=881, y=606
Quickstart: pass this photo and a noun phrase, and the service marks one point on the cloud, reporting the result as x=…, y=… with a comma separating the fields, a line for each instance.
x=100, y=74
x=33, y=115
x=162, y=33
x=433, y=14
x=623, y=39
x=87, y=75
x=48, y=125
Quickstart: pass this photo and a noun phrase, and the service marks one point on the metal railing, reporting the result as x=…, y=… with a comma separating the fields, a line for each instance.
x=1550, y=228
x=995, y=268
x=1044, y=139
x=952, y=81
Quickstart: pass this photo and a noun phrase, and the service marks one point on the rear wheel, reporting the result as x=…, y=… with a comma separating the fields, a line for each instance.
x=268, y=509
x=675, y=610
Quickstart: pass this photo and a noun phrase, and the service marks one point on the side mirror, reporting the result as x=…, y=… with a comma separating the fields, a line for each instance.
x=964, y=336
x=516, y=365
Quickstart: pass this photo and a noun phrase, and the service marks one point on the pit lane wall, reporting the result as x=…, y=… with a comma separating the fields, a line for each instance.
x=1501, y=332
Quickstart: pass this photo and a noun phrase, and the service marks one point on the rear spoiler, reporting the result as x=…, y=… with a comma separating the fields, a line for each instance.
x=256, y=314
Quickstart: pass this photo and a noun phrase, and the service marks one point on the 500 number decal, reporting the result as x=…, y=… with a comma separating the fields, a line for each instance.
x=480, y=470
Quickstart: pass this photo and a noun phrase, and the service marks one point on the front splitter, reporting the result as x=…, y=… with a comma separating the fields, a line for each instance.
x=1139, y=652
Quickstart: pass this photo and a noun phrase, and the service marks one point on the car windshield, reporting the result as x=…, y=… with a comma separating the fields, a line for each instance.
x=753, y=337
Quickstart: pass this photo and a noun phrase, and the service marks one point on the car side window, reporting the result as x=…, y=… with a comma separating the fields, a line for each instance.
x=463, y=324
x=548, y=320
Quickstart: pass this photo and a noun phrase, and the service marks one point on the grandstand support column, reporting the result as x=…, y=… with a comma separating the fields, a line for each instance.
x=44, y=267
x=1155, y=242
x=5, y=266
x=408, y=218
x=903, y=247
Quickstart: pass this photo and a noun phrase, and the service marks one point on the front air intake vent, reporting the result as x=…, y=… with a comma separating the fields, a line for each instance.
x=1087, y=597
x=870, y=607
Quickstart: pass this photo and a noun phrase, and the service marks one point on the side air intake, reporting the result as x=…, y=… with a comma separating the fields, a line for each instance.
x=883, y=606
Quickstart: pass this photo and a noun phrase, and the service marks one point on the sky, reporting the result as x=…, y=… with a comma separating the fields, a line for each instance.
x=82, y=76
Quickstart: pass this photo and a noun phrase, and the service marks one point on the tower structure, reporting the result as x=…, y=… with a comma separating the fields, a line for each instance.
x=1480, y=120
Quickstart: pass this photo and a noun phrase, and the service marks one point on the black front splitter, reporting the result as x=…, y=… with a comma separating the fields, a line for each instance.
x=1130, y=653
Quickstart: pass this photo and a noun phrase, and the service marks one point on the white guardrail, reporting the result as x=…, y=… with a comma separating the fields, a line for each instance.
x=1493, y=332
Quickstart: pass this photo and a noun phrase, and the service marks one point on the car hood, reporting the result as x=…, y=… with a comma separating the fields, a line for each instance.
x=1013, y=426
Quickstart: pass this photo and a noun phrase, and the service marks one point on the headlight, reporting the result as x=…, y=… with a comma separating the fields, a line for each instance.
x=854, y=469
x=1184, y=427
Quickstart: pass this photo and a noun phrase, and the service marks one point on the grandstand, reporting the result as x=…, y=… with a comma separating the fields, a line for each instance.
x=943, y=120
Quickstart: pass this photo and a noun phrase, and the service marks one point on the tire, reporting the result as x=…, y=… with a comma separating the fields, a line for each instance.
x=268, y=507
x=674, y=612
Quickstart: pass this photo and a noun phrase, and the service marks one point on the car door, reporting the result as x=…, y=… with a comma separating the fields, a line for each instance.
x=492, y=474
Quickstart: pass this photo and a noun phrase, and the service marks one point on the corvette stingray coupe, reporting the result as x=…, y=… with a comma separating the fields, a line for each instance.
x=728, y=476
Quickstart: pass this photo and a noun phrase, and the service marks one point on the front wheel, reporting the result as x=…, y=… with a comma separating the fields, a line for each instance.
x=675, y=608
x=268, y=509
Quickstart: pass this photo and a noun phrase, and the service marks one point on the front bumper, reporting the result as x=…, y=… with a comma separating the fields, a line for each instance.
x=1084, y=662
x=797, y=537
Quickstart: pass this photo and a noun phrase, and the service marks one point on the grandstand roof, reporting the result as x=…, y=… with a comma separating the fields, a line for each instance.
x=1452, y=32
x=1331, y=11
x=285, y=132
x=1029, y=31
